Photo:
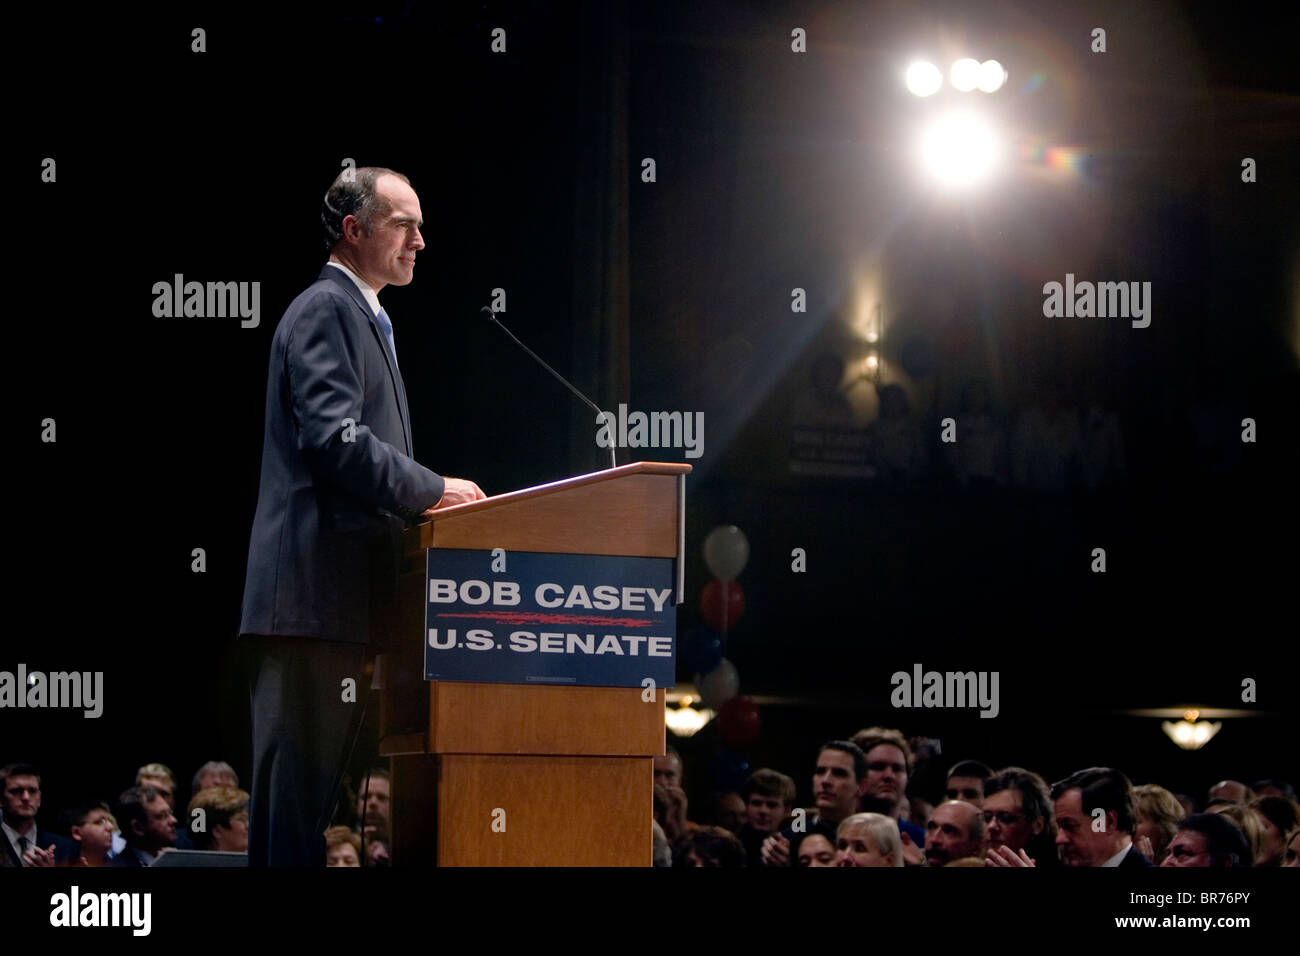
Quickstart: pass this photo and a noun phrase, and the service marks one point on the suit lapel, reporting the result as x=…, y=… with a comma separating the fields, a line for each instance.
x=346, y=283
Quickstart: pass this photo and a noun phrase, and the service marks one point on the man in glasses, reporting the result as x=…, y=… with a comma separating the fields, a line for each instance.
x=1018, y=818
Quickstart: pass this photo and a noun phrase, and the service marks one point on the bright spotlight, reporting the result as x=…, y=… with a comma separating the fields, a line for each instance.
x=959, y=150
x=965, y=74
x=924, y=78
x=991, y=76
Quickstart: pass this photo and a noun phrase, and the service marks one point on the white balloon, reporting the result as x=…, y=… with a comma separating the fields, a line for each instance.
x=726, y=552
x=719, y=685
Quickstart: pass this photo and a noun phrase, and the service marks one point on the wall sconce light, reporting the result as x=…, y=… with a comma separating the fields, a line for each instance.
x=1191, y=733
x=684, y=720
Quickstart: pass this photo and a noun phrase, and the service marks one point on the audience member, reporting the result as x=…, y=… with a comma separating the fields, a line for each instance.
x=710, y=847
x=342, y=847
x=224, y=821
x=730, y=812
x=1018, y=817
x=147, y=823
x=815, y=847
x=661, y=851
x=839, y=780
x=373, y=796
x=769, y=798
x=1292, y=856
x=889, y=762
x=1249, y=823
x=1274, y=788
x=1094, y=819
x=668, y=774
x=25, y=843
x=966, y=782
x=1208, y=839
x=956, y=831
x=868, y=839
x=1157, y=812
x=1278, y=817
x=91, y=826
x=1233, y=790
x=214, y=773
x=160, y=777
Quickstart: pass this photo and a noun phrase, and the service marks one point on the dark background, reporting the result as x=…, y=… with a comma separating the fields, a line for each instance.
x=775, y=170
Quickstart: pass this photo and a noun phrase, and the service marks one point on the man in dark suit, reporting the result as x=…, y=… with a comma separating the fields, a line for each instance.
x=26, y=844
x=338, y=484
x=1094, y=819
x=147, y=823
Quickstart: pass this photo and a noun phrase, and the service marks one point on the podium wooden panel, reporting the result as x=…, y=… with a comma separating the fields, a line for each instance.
x=570, y=767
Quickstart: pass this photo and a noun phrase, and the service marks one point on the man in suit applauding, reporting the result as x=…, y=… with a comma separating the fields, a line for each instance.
x=338, y=485
x=25, y=844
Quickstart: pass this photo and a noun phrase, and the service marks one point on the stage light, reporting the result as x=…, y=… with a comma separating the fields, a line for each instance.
x=924, y=79
x=685, y=720
x=1190, y=733
x=991, y=76
x=965, y=74
x=959, y=150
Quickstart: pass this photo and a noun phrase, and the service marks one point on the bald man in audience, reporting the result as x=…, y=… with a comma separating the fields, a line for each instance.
x=955, y=832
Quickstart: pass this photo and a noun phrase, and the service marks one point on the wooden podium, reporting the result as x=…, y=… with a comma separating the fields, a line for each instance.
x=567, y=769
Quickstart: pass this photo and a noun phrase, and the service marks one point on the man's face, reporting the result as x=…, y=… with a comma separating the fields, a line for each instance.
x=1078, y=844
x=22, y=800
x=1005, y=821
x=166, y=789
x=765, y=812
x=1229, y=790
x=816, y=850
x=967, y=789
x=216, y=778
x=856, y=848
x=886, y=775
x=232, y=839
x=668, y=771
x=1188, y=848
x=372, y=803
x=835, y=788
x=948, y=834
x=342, y=854
x=96, y=832
x=731, y=811
x=159, y=827
x=385, y=255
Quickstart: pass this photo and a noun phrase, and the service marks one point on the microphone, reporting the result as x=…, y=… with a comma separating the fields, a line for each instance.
x=492, y=317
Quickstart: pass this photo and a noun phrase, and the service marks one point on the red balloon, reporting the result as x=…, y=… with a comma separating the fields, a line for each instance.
x=738, y=722
x=722, y=603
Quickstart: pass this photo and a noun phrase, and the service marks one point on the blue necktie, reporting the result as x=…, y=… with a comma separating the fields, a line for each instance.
x=386, y=324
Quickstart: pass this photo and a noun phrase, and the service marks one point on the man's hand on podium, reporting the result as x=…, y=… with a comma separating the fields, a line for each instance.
x=457, y=491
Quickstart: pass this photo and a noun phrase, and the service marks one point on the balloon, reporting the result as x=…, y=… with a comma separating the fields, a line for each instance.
x=726, y=551
x=702, y=650
x=718, y=685
x=721, y=604
x=729, y=771
x=738, y=722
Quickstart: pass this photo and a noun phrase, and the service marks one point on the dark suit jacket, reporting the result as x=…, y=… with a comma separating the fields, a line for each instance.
x=127, y=857
x=1133, y=859
x=65, y=850
x=324, y=551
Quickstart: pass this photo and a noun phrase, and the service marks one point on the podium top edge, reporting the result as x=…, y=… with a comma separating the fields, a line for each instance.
x=634, y=468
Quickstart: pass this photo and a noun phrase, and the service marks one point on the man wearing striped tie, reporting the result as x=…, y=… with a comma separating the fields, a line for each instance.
x=339, y=482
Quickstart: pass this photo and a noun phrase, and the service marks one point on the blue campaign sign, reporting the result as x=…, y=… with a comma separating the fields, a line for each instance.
x=586, y=619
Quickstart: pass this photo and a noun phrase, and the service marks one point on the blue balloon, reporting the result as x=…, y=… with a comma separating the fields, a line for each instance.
x=729, y=770
x=702, y=650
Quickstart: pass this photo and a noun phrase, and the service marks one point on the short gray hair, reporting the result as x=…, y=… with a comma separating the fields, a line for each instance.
x=353, y=194
x=883, y=831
